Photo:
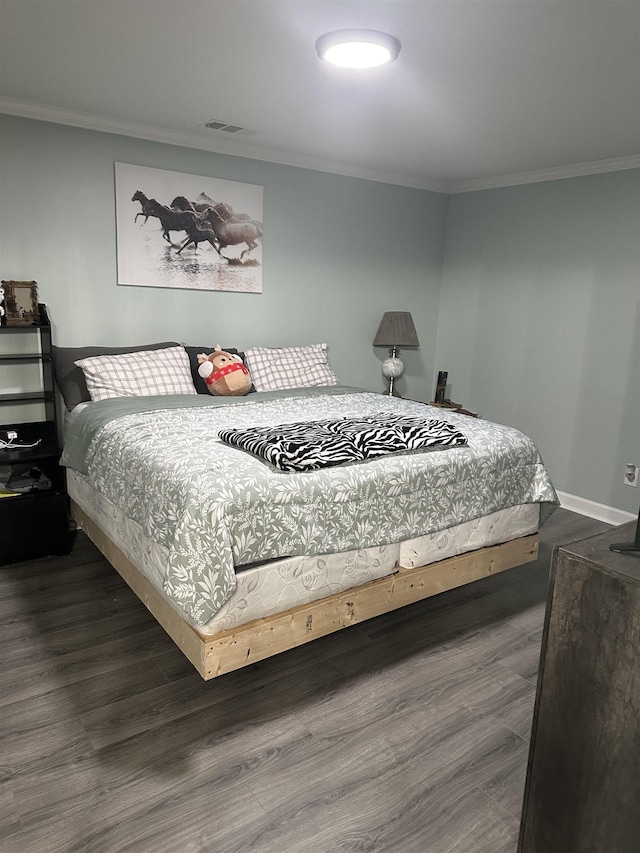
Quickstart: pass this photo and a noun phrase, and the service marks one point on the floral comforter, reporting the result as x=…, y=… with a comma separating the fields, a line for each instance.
x=215, y=507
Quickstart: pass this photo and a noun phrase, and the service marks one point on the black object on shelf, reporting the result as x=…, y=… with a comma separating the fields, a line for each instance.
x=630, y=548
x=441, y=386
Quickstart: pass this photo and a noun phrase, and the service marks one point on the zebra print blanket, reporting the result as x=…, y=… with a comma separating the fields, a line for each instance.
x=311, y=445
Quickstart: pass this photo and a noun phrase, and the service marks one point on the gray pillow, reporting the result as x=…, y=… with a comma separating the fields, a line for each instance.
x=70, y=378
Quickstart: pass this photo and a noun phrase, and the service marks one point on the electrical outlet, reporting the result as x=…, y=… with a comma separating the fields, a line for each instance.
x=631, y=474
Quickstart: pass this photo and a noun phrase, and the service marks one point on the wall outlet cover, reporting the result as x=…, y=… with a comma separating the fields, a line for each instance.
x=631, y=474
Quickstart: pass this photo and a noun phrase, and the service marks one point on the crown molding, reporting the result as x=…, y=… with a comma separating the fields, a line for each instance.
x=556, y=173
x=236, y=148
x=204, y=142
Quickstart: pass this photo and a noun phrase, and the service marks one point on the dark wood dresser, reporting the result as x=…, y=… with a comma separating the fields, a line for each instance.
x=582, y=791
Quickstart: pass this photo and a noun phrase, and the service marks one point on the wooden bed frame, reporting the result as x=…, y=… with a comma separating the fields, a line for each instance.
x=217, y=654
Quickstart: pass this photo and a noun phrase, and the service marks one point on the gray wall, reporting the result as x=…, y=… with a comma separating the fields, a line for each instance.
x=338, y=252
x=539, y=323
x=531, y=303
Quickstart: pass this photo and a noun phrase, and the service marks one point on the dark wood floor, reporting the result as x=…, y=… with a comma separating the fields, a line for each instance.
x=407, y=734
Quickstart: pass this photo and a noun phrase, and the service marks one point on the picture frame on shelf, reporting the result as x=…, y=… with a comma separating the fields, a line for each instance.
x=21, y=303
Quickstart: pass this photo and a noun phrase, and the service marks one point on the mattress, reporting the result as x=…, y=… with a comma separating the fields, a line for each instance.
x=273, y=586
x=196, y=515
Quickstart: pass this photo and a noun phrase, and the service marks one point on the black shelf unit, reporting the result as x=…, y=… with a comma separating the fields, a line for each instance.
x=33, y=523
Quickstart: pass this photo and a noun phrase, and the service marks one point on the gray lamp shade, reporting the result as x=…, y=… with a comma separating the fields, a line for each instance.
x=396, y=330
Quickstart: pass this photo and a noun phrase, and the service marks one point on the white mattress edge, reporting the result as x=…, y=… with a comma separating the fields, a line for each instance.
x=279, y=585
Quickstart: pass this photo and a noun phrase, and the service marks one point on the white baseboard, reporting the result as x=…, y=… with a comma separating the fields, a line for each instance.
x=601, y=512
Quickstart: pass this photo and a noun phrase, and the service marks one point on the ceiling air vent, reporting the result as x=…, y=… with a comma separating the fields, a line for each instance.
x=222, y=125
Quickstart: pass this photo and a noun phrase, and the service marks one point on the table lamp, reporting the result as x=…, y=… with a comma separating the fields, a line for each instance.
x=396, y=329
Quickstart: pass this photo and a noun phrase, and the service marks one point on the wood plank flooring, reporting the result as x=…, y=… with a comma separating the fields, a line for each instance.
x=405, y=734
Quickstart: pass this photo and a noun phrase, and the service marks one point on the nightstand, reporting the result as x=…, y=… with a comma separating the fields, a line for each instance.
x=455, y=407
x=583, y=786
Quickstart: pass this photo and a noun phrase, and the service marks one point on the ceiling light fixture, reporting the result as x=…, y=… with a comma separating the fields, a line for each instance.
x=358, y=48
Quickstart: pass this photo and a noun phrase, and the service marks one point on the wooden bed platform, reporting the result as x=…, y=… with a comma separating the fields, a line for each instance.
x=217, y=654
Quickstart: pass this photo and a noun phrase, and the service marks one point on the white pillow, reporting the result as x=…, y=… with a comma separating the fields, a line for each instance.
x=138, y=374
x=289, y=367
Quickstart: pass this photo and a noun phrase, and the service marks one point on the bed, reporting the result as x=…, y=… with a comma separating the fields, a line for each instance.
x=239, y=559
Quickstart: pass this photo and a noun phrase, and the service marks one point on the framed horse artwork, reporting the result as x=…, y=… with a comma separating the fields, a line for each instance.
x=187, y=231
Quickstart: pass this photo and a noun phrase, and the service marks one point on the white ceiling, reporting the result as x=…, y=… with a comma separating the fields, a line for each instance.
x=484, y=93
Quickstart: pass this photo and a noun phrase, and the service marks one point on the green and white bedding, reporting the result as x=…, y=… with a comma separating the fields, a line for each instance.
x=214, y=507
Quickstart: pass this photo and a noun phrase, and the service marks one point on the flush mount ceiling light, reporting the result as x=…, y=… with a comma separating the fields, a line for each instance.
x=358, y=48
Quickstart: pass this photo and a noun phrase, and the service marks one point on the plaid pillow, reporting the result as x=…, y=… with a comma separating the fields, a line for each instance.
x=138, y=374
x=70, y=379
x=289, y=367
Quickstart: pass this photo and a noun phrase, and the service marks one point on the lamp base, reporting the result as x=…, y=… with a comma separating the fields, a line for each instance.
x=392, y=368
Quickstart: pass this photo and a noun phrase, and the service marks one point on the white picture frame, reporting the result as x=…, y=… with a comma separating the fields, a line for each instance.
x=219, y=246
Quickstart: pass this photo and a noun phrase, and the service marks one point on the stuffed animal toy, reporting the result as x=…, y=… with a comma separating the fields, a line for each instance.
x=224, y=374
